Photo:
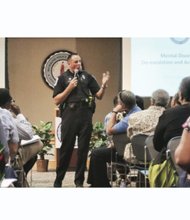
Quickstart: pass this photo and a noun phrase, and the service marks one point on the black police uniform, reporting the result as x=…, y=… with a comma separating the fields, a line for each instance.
x=76, y=114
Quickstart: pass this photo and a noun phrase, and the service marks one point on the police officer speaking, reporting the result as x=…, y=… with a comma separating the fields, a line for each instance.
x=75, y=92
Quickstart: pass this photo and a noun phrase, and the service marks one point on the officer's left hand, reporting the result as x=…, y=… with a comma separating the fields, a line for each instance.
x=105, y=78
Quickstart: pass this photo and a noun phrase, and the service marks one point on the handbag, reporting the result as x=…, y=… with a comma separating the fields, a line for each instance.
x=162, y=172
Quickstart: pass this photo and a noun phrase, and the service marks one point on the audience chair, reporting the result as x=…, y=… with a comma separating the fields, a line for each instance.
x=142, y=157
x=172, y=145
x=119, y=142
x=150, y=147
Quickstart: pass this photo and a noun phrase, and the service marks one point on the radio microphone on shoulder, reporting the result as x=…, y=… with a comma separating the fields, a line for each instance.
x=76, y=71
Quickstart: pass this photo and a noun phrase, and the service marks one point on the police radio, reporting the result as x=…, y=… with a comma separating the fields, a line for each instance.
x=76, y=71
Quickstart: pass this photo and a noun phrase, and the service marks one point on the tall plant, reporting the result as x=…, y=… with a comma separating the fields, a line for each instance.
x=99, y=137
x=44, y=130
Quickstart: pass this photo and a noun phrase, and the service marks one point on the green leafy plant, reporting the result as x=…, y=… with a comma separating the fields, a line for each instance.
x=44, y=130
x=99, y=137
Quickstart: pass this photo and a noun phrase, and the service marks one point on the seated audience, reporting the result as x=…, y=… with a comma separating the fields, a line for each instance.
x=169, y=124
x=97, y=175
x=24, y=130
x=182, y=153
x=120, y=116
x=140, y=101
x=144, y=122
x=107, y=117
x=11, y=143
x=175, y=100
x=11, y=133
x=4, y=151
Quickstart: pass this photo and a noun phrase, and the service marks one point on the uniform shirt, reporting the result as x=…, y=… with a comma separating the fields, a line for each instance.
x=122, y=125
x=144, y=122
x=87, y=85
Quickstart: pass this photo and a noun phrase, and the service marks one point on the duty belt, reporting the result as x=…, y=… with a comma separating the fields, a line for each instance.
x=74, y=105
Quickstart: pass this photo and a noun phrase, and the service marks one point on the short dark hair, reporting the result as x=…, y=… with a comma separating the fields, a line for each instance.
x=140, y=101
x=115, y=100
x=184, y=88
x=70, y=55
x=5, y=96
x=176, y=99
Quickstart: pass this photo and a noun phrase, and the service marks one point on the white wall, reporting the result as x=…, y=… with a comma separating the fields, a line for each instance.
x=126, y=63
x=2, y=62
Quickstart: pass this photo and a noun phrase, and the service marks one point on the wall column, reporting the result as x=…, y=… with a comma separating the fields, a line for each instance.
x=2, y=62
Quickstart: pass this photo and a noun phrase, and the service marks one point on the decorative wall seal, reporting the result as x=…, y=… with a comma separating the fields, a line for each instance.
x=179, y=40
x=54, y=65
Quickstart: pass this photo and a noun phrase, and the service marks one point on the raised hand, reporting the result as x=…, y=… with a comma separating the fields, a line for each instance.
x=105, y=78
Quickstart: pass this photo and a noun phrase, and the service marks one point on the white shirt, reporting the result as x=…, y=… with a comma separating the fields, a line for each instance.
x=24, y=127
x=10, y=129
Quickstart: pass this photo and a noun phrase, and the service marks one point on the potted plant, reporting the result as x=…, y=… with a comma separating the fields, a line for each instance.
x=44, y=131
x=98, y=139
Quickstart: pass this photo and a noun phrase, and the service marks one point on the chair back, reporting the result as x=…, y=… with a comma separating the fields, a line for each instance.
x=149, y=144
x=172, y=145
x=120, y=141
x=138, y=147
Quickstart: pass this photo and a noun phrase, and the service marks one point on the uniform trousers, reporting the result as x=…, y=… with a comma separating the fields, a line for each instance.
x=76, y=121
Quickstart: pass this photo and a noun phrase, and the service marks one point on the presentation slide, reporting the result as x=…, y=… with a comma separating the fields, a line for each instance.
x=158, y=63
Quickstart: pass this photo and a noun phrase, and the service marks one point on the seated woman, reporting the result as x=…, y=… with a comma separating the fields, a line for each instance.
x=169, y=124
x=182, y=153
x=97, y=175
x=175, y=100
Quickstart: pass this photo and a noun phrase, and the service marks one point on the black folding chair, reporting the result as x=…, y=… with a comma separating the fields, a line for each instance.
x=142, y=157
x=150, y=147
x=117, y=161
x=172, y=145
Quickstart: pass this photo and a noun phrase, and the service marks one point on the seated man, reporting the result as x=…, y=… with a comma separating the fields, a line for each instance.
x=9, y=143
x=144, y=122
x=24, y=129
x=11, y=134
x=4, y=151
x=97, y=175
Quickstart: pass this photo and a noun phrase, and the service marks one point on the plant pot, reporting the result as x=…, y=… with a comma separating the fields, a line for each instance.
x=42, y=165
x=88, y=163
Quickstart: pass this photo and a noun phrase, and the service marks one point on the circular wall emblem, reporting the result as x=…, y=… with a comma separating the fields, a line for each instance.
x=55, y=65
x=179, y=40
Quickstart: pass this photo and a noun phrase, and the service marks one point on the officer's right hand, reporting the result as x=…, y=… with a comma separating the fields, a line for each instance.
x=73, y=83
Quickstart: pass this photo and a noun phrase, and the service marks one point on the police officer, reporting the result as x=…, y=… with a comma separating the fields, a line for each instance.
x=74, y=92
